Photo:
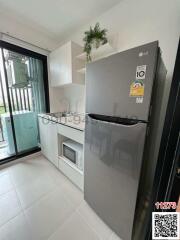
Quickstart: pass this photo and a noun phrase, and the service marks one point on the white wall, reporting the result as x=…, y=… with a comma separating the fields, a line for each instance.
x=138, y=22
x=68, y=98
x=23, y=44
x=76, y=96
x=15, y=27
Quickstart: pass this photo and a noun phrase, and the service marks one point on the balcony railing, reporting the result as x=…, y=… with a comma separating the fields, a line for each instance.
x=21, y=99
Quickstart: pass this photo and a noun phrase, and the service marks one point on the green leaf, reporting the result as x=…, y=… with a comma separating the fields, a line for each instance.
x=94, y=37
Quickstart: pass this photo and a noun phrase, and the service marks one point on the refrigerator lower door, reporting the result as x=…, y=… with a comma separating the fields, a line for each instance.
x=113, y=156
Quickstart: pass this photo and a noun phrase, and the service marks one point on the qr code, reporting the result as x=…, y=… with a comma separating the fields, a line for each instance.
x=165, y=225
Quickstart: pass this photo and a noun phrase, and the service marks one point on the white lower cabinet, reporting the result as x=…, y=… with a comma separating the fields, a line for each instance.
x=66, y=166
x=71, y=133
x=48, y=139
x=77, y=177
x=52, y=135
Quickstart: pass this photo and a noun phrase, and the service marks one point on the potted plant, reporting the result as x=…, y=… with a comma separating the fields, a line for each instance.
x=94, y=38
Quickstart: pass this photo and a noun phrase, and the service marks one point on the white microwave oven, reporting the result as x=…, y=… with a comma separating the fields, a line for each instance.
x=73, y=151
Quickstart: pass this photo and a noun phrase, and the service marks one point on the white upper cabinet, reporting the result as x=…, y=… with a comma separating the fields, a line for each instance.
x=64, y=64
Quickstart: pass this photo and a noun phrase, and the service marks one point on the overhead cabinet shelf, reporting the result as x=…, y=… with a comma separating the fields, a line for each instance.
x=103, y=51
x=64, y=65
x=67, y=63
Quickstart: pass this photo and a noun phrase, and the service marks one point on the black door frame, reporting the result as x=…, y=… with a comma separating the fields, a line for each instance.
x=168, y=159
x=43, y=58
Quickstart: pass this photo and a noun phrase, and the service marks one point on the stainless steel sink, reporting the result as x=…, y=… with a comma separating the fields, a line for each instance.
x=60, y=114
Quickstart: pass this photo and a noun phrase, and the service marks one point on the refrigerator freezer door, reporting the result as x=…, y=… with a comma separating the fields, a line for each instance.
x=121, y=85
x=113, y=156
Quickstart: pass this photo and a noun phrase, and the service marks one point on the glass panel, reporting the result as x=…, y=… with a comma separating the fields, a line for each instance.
x=69, y=154
x=26, y=90
x=7, y=146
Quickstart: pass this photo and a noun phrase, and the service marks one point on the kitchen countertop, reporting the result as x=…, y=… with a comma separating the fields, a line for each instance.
x=75, y=121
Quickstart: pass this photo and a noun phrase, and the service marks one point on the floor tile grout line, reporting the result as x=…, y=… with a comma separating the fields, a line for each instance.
x=63, y=184
x=7, y=173
x=9, y=220
x=1, y=195
x=45, y=195
x=70, y=202
x=21, y=210
x=78, y=212
x=90, y=225
x=67, y=198
x=16, y=193
x=109, y=238
x=57, y=185
x=61, y=225
x=39, y=199
x=78, y=209
x=36, y=201
x=24, y=184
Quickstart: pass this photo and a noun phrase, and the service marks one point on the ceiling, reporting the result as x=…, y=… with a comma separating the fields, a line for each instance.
x=54, y=19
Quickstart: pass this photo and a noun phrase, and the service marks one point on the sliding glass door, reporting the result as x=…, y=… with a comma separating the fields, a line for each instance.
x=7, y=144
x=23, y=94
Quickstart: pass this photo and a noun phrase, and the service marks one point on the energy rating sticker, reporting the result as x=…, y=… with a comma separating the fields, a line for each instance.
x=137, y=89
x=141, y=72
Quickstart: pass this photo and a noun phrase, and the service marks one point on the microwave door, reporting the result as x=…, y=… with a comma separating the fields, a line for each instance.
x=69, y=153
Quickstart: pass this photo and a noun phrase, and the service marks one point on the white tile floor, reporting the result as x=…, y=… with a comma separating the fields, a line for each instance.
x=37, y=202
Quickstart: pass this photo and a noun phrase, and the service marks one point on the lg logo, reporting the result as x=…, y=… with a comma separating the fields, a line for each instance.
x=141, y=54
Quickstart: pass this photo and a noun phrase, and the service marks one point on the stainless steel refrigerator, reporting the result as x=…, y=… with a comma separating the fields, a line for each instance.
x=118, y=107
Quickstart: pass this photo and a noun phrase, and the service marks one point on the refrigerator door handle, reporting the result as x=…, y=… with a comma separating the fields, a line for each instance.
x=115, y=120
